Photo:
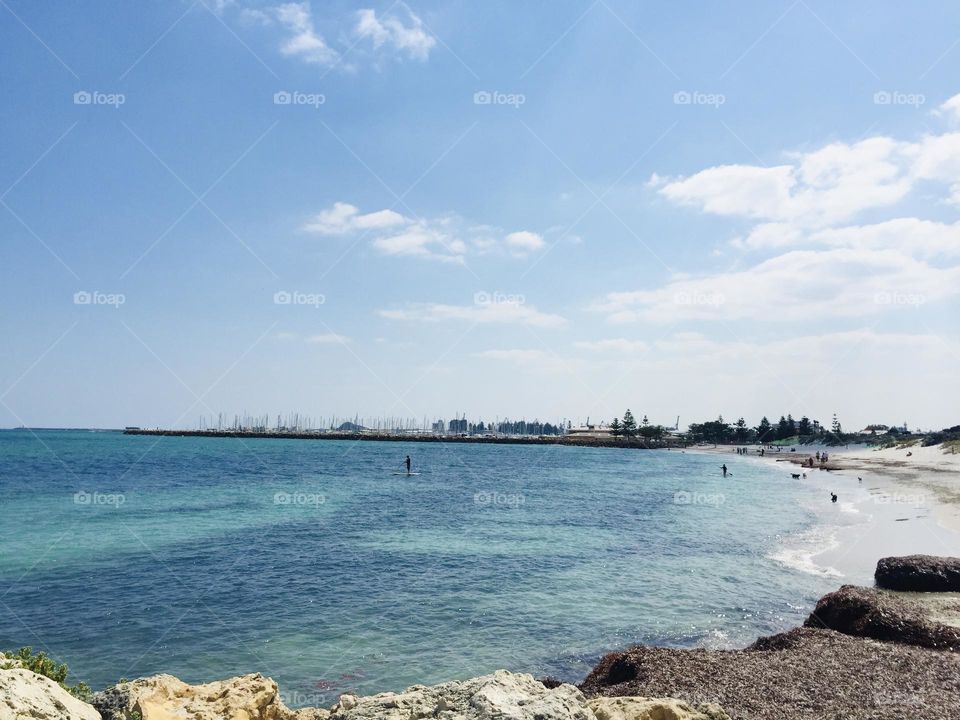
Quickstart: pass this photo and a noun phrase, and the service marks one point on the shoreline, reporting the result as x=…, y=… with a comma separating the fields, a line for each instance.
x=903, y=504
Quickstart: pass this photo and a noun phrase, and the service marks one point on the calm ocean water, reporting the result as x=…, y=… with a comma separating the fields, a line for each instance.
x=313, y=563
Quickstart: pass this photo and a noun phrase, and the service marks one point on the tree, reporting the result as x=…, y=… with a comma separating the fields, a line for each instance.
x=629, y=424
x=791, y=425
x=804, y=427
x=835, y=426
x=764, y=430
x=616, y=429
x=783, y=429
x=741, y=433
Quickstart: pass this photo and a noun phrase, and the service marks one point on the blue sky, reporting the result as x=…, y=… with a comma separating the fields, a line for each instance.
x=539, y=209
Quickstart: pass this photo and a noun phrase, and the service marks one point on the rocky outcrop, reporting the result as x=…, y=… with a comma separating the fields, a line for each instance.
x=866, y=612
x=919, y=573
x=640, y=708
x=500, y=696
x=24, y=694
x=164, y=697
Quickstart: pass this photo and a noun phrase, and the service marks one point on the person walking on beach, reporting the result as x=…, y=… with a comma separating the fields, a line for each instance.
x=724, y=468
x=407, y=463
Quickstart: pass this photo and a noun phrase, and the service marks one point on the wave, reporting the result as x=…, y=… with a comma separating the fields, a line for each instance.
x=799, y=551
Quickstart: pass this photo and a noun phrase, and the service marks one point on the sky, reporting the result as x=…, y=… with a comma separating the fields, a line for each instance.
x=552, y=210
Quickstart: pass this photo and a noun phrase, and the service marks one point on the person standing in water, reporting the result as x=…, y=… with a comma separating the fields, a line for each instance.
x=833, y=497
x=407, y=463
x=724, y=468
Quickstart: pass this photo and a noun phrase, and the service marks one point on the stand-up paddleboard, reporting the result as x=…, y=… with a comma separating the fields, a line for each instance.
x=406, y=473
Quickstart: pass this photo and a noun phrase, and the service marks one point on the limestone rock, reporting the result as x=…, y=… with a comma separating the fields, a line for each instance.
x=26, y=695
x=500, y=696
x=164, y=697
x=643, y=708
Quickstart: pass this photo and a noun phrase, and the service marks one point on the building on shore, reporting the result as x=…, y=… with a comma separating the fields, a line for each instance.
x=590, y=431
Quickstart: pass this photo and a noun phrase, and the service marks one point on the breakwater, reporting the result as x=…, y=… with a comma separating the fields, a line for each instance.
x=569, y=440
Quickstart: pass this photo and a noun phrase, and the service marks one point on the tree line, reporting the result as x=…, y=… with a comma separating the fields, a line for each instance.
x=628, y=428
x=720, y=431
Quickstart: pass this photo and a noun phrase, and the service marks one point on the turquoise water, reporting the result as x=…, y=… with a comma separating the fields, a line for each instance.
x=310, y=561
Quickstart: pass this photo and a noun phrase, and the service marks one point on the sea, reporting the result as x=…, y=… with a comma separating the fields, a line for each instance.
x=323, y=566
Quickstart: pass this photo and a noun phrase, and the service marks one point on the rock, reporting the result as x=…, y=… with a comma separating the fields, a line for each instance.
x=641, y=708
x=164, y=697
x=865, y=612
x=919, y=573
x=500, y=696
x=804, y=674
x=24, y=694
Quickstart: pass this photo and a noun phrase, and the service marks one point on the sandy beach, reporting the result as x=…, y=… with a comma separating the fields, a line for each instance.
x=889, y=503
x=929, y=471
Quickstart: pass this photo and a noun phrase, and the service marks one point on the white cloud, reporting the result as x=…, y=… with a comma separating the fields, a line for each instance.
x=384, y=33
x=421, y=239
x=937, y=158
x=913, y=236
x=446, y=239
x=828, y=265
x=524, y=241
x=218, y=6
x=343, y=218
x=797, y=285
x=389, y=31
x=950, y=109
x=303, y=41
x=510, y=313
x=819, y=188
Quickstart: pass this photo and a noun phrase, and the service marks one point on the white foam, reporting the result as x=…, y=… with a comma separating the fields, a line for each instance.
x=798, y=552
